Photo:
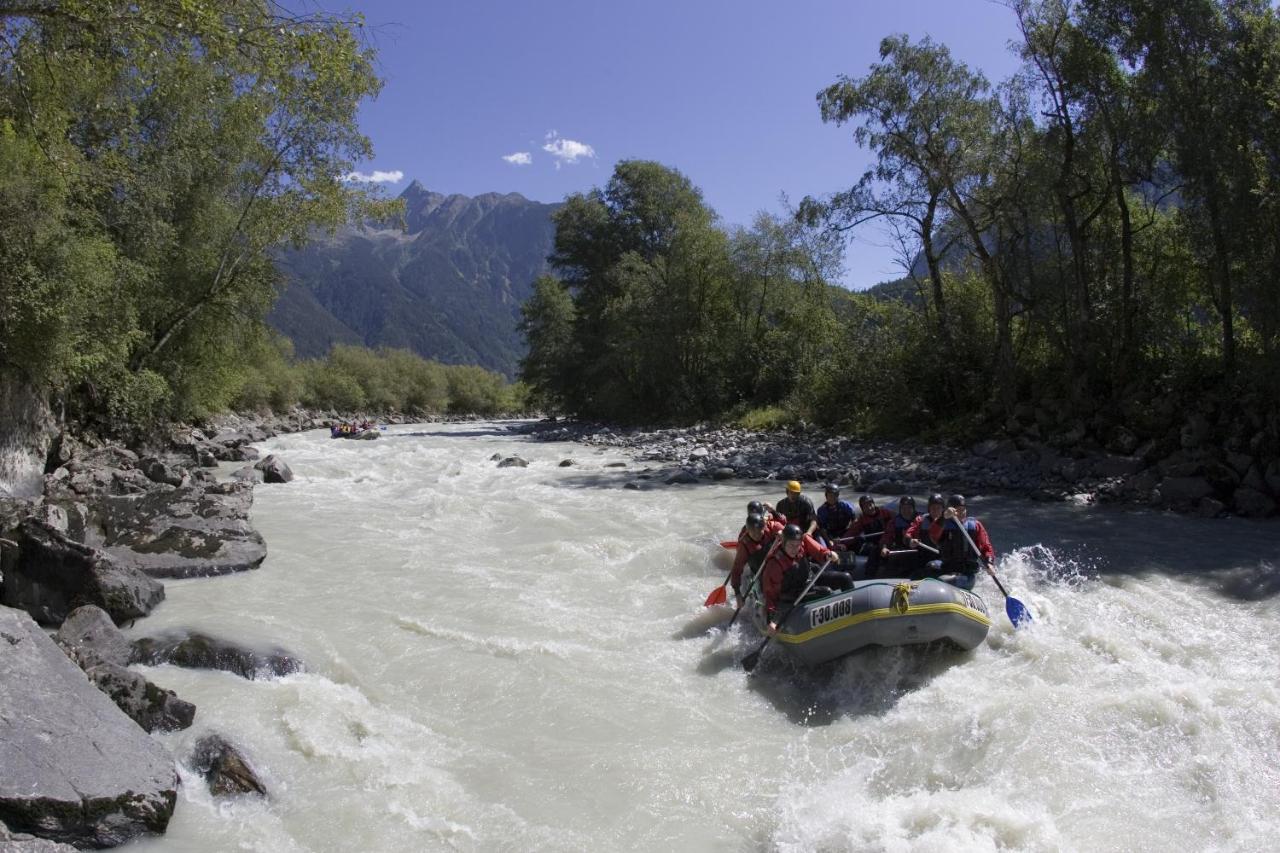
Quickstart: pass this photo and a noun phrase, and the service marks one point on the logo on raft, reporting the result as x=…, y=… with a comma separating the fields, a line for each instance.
x=973, y=602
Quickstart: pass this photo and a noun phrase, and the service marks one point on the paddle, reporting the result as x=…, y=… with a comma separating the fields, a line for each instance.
x=718, y=595
x=1017, y=612
x=729, y=544
x=750, y=661
x=752, y=584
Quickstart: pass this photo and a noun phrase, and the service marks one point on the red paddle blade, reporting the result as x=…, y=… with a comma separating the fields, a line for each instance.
x=717, y=596
x=729, y=544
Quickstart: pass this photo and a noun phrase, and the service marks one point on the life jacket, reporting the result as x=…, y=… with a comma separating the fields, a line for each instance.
x=874, y=522
x=954, y=551
x=899, y=528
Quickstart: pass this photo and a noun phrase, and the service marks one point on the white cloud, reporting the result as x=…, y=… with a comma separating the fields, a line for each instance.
x=519, y=158
x=567, y=150
x=376, y=177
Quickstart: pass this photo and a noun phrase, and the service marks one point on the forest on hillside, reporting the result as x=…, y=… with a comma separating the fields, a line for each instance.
x=1093, y=243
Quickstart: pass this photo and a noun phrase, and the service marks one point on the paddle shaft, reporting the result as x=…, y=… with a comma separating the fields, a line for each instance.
x=749, y=662
x=1014, y=609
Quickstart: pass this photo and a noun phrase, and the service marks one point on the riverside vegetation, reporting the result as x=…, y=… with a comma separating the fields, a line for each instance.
x=1092, y=249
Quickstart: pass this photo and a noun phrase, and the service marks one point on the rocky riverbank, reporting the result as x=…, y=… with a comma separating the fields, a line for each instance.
x=85, y=555
x=1186, y=476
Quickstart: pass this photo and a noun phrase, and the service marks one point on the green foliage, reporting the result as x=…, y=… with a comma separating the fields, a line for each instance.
x=151, y=156
x=354, y=379
x=766, y=418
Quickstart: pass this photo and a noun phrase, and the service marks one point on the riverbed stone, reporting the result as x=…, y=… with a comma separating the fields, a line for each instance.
x=194, y=650
x=21, y=842
x=54, y=574
x=274, y=469
x=225, y=768
x=90, y=631
x=682, y=477
x=74, y=768
x=723, y=474
x=195, y=531
x=159, y=472
x=1184, y=490
x=1252, y=503
x=513, y=462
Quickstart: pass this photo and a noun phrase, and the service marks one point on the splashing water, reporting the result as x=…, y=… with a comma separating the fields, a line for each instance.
x=518, y=658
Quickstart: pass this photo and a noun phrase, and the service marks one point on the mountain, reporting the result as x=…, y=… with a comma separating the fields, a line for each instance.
x=448, y=285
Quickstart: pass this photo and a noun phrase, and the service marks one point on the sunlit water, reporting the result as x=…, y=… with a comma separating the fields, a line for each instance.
x=513, y=659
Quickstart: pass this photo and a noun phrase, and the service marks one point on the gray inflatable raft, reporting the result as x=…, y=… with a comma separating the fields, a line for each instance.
x=882, y=612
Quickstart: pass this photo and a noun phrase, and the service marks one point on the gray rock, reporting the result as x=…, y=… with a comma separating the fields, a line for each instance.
x=699, y=453
x=20, y=842
x=1210, y=507
x=247, y=474
x=197, y=531
x=615, y=465
x=53, y=575
x=1184, y=490
x=565, y=463
x=206, y=459
x=683, y=477
x=245, y=453
x=1117, y=466
x=225, y=768
x=200, y=651
x=513, y=462
x=631, y=486
x=1252, y=503
x=76, y=770
x=159, y=472
x=90, y=631
x=274, y=469
x=723, y=474
x=152, y=707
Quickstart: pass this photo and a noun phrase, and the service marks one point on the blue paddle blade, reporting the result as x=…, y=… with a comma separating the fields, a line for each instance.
x=1018, y=613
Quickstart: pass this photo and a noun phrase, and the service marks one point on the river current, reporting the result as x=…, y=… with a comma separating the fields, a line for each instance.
x=516, y=659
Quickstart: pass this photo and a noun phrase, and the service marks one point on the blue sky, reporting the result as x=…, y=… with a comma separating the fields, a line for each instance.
x=723, y=91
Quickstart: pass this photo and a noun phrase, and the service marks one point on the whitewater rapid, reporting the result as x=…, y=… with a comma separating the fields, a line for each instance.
x=512, y=659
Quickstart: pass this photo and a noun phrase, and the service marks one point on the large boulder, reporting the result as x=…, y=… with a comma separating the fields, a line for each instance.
x=73, y=768
x=1252, y=503
x=1184, y=490
x=225, y=769
x=54, y=574
x=197, y=531
x=200, y=651
x=89, y=631
x=150, y=706
x=274, y=469
x=158, y=472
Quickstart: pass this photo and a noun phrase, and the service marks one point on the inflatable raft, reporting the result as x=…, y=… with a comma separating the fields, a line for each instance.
x=883, y=612
x=365, y=434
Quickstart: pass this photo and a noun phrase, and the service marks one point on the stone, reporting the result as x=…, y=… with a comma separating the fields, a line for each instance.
x=89, y=631
x=1210, y=507
x=158, y=472
x=1184, y=490
x=274, y=469
x=631, y=486
x=513, y=462
x=699, y=453
x=723, y=474
x=247, y=474
x=992, y=447
x=1240, y=462
x=194, y=650
x=225, y=768
x=565, y=463
x=195, y=531
x=75, y=769
x=1252, y=503
x=683, y=477
x=152, y=707
x=53, y=575
x=20, y=842
x=1117, y=466
x=206, y=459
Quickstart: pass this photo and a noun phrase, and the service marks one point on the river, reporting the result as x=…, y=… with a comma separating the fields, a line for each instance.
x=509, y=659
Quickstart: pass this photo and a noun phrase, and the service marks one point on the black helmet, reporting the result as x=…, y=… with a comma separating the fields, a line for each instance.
x=792, y=531
x=935, y=498
x=866, y=499
x=755, y=508
x=955, y=500
x=831, y=489
x=756, y=521
x=907, y=499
